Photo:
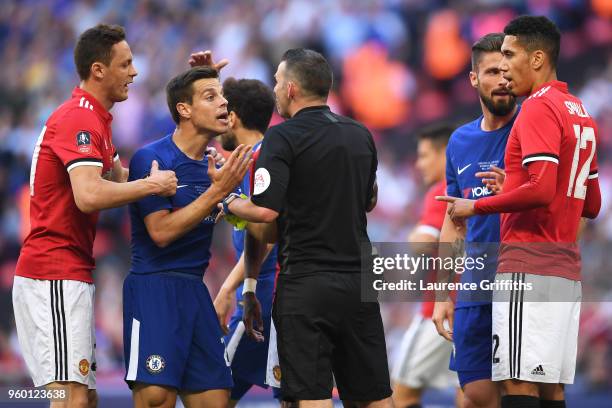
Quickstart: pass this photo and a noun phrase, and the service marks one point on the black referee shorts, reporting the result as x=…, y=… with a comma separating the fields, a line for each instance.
x=323, y=328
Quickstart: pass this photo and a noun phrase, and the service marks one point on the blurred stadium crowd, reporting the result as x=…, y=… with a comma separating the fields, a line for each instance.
x=398, y=65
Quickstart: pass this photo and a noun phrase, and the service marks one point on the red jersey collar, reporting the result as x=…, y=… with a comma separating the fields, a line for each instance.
x=98, y=108
x=559, y=85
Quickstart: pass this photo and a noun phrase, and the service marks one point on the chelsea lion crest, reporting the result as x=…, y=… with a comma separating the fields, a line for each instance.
x=155, y=364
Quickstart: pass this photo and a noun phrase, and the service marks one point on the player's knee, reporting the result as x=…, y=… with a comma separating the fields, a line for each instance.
x=92, y=399
x=404, y=396
x=479, y=399
x=158, y=397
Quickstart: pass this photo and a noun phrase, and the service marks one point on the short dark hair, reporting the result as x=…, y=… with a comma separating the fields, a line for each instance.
x=310, y=69
x=95, y=45
x=437, y=133
x=180, y=88
x=251, y=100
x=536, y=33
x=491, y=42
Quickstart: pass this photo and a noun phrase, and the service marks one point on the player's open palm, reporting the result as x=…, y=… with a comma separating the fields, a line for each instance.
x=164, y=181
x=231, y=174
x=493, y=179
x=444, y=311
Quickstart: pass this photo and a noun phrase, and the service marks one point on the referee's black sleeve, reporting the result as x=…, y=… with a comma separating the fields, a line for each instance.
x=272, y=171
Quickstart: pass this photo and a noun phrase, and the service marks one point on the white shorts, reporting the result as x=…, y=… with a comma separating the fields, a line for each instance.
x=56, y=330
x=424, y=357
x=535, y=334
x=273, y=371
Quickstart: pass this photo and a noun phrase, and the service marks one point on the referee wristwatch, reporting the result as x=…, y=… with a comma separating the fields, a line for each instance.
x=226, y=202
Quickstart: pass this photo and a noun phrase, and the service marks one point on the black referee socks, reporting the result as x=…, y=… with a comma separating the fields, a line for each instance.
x=414, y=406
x=520, y=401
x=552, y=404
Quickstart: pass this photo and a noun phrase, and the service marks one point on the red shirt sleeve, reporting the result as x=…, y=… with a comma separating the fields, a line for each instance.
x=434, y=210
x=592, y=201
x=538, y=191
x=77, y=140
x=539, y=130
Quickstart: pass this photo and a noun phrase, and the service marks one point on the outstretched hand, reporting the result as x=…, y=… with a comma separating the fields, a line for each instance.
x=460, y=208
x=205, y=59
x=231, y=174
x=493, y=179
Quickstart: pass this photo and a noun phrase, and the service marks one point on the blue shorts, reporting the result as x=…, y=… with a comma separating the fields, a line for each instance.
x=241, y=387
x=472, y=351
x=171, y=334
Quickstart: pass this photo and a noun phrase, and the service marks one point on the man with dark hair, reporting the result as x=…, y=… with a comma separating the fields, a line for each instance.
x=75, y=173
x=473, y=148
x=316, y=177
x=172, y=340
x=423, y=355
x=250, y=104
x=551, y=182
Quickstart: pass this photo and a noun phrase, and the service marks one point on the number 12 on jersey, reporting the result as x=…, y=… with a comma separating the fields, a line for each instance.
x=577, y=187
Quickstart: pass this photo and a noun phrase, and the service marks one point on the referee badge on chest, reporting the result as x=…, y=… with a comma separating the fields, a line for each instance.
x=155, y=364
x=83, y=140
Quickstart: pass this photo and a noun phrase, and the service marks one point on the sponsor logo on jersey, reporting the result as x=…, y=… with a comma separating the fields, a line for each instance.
x=538, y=370
x=84, y=367
x=155, y=364
x=83, y=139
x=277, y=372
x=459, y=171
x=476, y=192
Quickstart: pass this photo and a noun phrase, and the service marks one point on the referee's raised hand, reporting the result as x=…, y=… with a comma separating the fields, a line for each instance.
x=251, y=317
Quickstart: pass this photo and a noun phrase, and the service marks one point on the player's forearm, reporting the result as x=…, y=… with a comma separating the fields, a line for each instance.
x=592, y=201
x=173, y=225
x=538, y=191
x=265, y=232
x=451, y=244
x=237, y=275
x=254, y=254
x=250, y=212
x=103, y=194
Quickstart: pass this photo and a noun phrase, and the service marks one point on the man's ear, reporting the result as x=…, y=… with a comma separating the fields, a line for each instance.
x=537, y=59
x=184, y=110
x=291, y=90
x=234, y=120
x=97, y=70
x=474, y=79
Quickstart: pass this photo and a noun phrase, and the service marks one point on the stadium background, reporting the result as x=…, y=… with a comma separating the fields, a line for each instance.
x=398, y=65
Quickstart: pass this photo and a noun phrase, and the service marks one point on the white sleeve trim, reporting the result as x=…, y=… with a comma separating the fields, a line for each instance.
x=429, y=230
x=540, y=158
x=593, y=176
x=84, y=163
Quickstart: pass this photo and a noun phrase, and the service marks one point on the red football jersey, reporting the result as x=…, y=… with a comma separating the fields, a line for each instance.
x=430, y=223
x=60, y=242
x=553, y=125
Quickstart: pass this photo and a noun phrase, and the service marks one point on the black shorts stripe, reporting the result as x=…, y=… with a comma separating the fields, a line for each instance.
x=510, y=342
x=520, y=328
x=55, y=350
x=61, y=285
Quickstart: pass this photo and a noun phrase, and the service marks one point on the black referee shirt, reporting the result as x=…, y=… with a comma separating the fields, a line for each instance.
x=317, y=170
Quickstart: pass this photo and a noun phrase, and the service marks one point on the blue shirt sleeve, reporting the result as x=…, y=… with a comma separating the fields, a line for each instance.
x=140, y=167
x=452, y=184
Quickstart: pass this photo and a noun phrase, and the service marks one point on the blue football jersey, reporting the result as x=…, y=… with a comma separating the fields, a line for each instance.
x=191, y=252
x=470, y=150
